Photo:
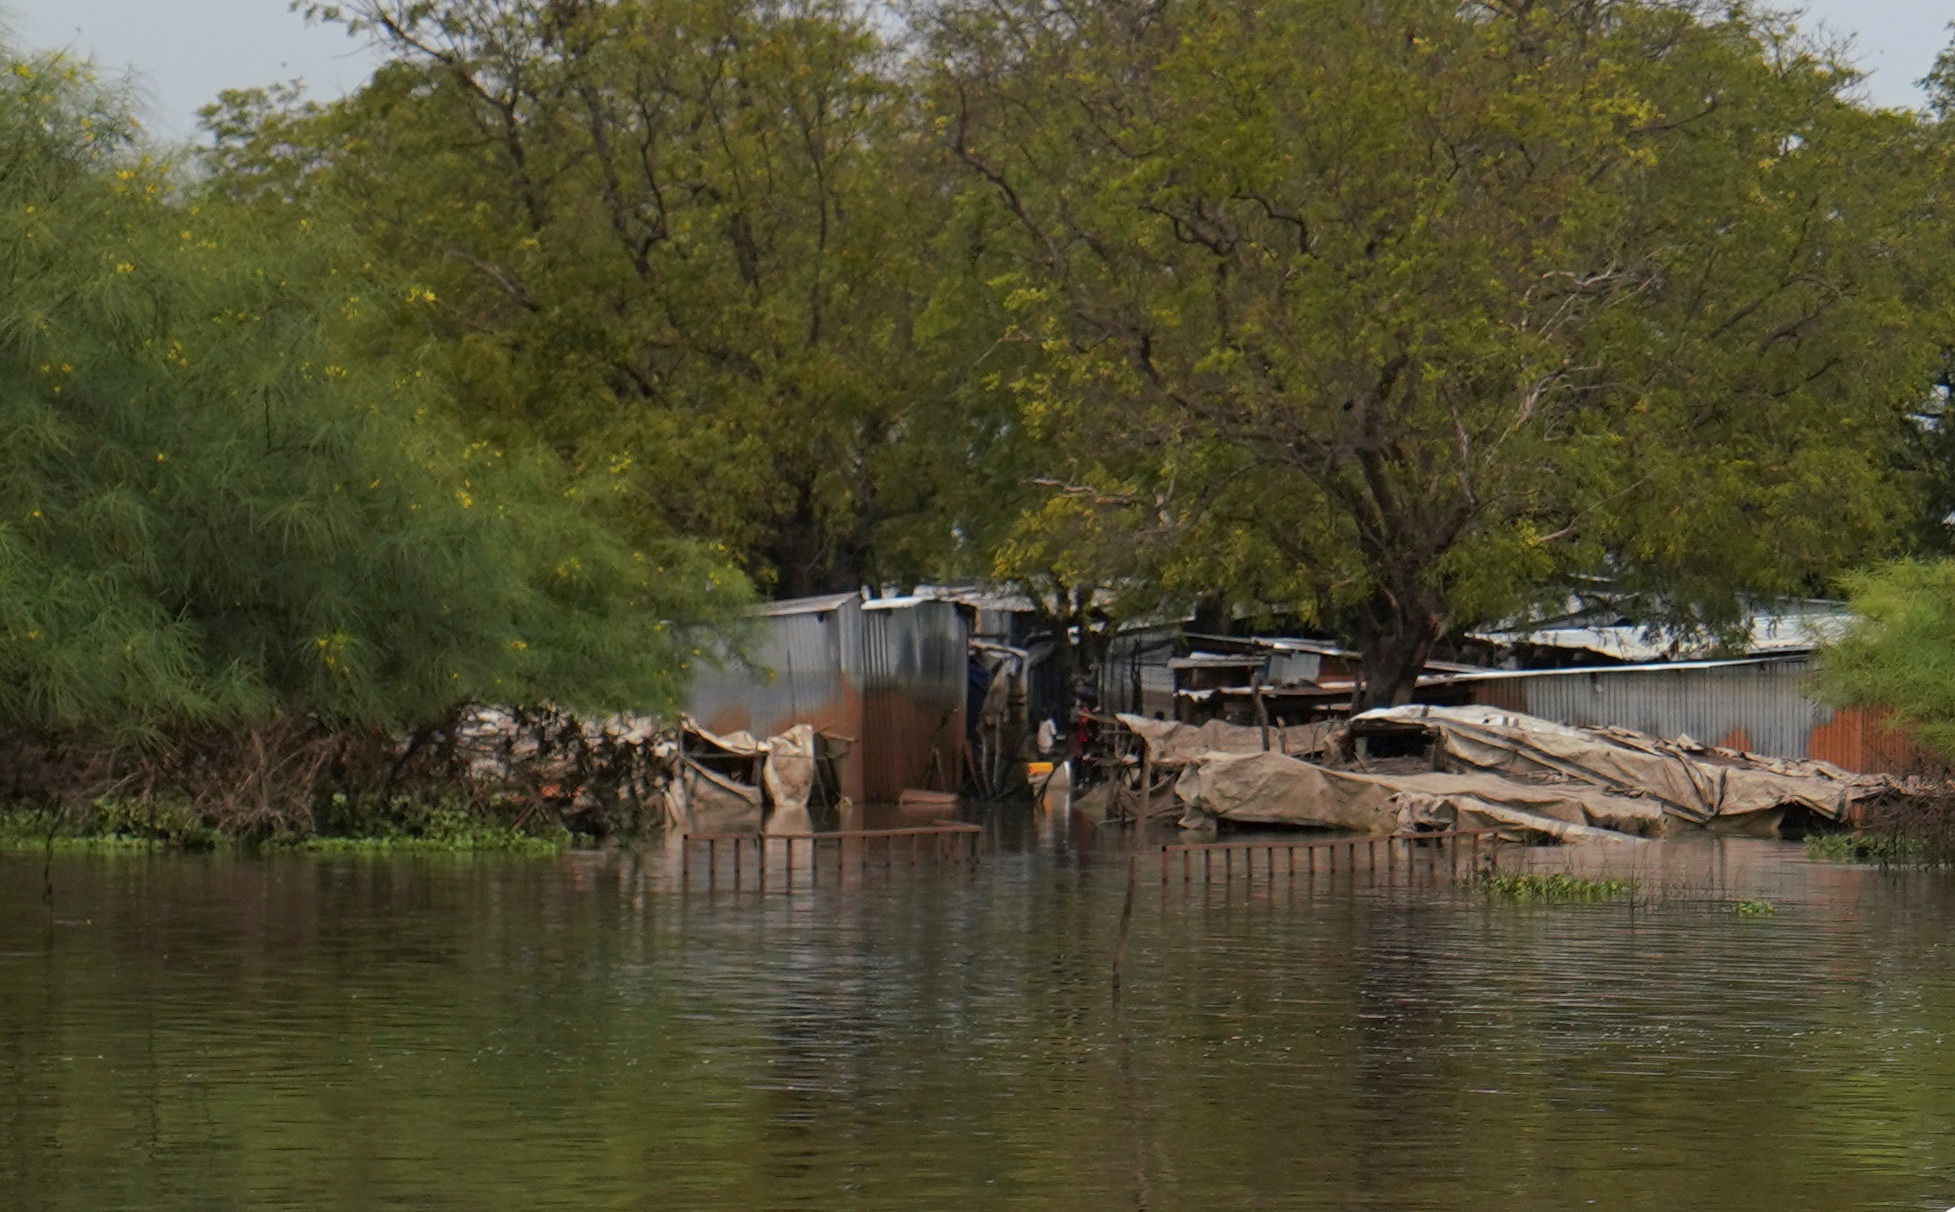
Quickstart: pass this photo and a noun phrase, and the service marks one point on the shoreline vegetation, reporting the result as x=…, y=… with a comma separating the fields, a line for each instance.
x=174, y=827
x=1919, y=835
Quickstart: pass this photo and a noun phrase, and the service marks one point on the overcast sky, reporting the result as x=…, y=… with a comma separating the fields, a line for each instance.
x=182, y=52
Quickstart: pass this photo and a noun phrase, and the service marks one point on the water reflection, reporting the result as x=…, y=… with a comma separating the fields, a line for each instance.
x=211, y=1033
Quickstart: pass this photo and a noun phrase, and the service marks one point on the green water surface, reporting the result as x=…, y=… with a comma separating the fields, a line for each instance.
x=356, y=1032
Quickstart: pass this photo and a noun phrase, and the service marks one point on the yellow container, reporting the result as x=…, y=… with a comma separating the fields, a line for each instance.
x=1037, y=770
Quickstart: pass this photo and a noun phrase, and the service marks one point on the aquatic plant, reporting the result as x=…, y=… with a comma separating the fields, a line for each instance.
x=1537, y=886
x=107, y=825
x=347, y=827
x=406, y=824
x=1749, y=907
x=1884, y=849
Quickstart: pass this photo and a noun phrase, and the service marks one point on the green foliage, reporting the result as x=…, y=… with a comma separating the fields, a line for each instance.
x=1899, y=653
x=1885, y=850
x=215, y=509
x=688, y=245
x=411, y=824
x=1530, y=886
x=403, y=824
x=1748, y=907
x=166, y=824
x=1407, y=314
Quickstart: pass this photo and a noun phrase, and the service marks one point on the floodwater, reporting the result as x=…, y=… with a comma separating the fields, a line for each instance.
x=217, y=1032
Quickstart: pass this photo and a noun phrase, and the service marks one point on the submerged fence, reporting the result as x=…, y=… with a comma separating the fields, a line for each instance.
x=1412, y=853
x=761, y=860
x=750, y=858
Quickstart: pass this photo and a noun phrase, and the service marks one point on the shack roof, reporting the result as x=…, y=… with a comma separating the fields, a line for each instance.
x=819, y=604
x=1792, y=628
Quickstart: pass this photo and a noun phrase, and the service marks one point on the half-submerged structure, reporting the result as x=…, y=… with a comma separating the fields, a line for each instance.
x=1414, y=768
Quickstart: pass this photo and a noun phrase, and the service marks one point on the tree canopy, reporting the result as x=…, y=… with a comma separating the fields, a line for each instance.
x=1409, y=313
x=214, y=513
x=1400, y=319
x=692, y=243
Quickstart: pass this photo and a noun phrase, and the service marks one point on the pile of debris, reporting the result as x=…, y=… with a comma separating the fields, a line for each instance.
x=638, y=770
x=1406, y=769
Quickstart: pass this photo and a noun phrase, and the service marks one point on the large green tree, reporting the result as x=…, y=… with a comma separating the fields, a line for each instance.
x=690, y=244
x=1407, y=313
x=214, y=513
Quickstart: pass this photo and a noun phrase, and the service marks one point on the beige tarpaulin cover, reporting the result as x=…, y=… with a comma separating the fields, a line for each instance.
x=1524, y=776
x=1270, y=788
x=1703, y=786
x=1170, y=743
x=699, y=800
x=705, y=801
x=790, y=771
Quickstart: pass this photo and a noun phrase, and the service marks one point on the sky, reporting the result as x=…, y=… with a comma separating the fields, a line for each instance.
x=181, y=53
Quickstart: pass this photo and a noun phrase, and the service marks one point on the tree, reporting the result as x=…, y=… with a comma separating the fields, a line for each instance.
x=215, y=517
x=1408, y=313
x=685, y=241
x=1898, y=656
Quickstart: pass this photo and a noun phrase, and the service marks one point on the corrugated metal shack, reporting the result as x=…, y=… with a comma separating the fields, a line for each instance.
x=1762, y=703
x=886, y=675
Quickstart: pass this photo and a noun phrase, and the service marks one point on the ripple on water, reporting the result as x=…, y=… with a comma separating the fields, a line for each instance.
x=393, y=1033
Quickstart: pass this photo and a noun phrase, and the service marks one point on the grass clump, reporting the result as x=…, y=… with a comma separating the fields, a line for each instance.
x=343, y=826
x=108, y=825
x=1884, y=849
x=1535, y=886
x=1750, y=907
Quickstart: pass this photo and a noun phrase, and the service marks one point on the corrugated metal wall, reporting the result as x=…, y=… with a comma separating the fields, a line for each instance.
x=807, y=655
x=1764, y=707
x=889, y=677
x=914, y=658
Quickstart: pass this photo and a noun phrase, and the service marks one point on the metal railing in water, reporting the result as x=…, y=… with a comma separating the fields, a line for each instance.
x=860, y=850
x=1370, y=854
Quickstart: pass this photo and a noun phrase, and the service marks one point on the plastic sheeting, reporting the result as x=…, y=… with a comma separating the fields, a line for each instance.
x=1170, y=743
x=704, y=800
x=1527, y=777
x=1272, y=789
x=1719, y=788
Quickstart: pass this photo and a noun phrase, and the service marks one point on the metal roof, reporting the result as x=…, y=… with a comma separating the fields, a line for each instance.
x=1497, y=675
x=1785, y=633
x=820, y=604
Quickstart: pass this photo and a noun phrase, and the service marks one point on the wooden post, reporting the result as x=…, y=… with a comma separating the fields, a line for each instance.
x=1126, y=920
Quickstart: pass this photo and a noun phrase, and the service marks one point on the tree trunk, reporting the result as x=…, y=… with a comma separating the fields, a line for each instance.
x=1396, y=634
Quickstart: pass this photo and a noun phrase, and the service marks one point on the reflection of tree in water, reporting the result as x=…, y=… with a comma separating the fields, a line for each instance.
x=427, y=1033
